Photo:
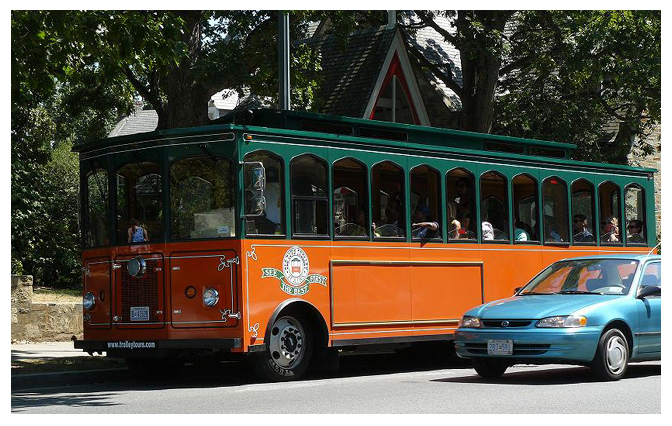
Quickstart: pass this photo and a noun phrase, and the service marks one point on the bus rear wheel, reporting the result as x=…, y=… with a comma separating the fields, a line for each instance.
x=288, y=351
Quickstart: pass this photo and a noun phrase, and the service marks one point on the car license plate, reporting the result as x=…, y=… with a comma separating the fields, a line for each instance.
x=139, y=313
x=500, y=347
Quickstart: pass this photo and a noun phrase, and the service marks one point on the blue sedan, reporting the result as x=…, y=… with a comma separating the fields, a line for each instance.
x=603, y=312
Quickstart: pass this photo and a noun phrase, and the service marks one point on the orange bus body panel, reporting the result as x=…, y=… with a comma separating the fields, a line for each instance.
x=362, y=290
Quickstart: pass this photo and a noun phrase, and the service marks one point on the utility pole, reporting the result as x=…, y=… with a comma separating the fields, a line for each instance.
x=283, y=59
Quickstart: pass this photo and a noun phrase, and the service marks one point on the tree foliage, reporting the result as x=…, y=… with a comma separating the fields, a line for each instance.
x=560, y=75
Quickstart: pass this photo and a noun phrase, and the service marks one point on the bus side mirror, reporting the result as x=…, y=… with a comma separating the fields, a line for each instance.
x=255, y=184
x=516, y=290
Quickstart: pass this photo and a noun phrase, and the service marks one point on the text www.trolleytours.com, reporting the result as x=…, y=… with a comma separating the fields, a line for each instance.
x=130, y=345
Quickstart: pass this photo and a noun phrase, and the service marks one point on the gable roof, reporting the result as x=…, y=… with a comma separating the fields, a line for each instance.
x=140, y=121
x=439, y=52
x=350, y=69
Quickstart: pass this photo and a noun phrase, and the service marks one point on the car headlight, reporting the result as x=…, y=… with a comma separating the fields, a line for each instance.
x=210, y=296
x=469, y=321
x=566, y=321
x=88, y=300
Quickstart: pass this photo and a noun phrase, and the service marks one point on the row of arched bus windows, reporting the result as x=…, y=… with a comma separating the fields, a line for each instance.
x=309, y=198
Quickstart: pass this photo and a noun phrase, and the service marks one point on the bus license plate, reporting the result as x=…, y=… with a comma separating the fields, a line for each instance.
x=500, y=347
x=139, y=313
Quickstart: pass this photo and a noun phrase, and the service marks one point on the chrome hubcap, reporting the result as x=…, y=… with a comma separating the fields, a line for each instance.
x=287, y=342
x=617, y=353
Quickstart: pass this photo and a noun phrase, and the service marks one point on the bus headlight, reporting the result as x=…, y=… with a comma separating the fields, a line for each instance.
x=88, y=301
x=210, y=296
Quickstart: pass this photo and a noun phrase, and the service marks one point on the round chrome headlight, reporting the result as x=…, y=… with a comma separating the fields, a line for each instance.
x=210, y=296
x=136, y=267
x=89, y=300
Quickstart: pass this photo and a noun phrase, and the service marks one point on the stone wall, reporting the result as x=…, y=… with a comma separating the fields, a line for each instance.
x=42, y=322
x=636, y=158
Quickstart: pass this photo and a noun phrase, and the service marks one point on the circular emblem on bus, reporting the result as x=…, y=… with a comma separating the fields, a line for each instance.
x=295, y=266
x=505, y=323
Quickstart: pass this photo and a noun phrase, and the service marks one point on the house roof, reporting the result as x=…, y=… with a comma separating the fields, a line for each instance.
x=140, y=121
x=350, y=69
x=441, y=53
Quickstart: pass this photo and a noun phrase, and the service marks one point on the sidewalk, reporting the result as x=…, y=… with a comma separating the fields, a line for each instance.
x=45, y=350
x=59, y=363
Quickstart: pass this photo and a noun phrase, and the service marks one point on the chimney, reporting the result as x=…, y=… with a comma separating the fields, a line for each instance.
x=391, y=19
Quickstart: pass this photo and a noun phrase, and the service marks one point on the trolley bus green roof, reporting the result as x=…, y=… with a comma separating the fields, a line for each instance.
x=328, y=130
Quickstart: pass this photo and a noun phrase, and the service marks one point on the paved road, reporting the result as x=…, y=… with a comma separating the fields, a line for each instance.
x=364, y=384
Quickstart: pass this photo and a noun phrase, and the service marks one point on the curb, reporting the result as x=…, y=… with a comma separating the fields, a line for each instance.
x=40, y=380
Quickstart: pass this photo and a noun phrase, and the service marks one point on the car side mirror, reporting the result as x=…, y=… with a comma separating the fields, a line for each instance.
x=516, y=290
x=651, y=290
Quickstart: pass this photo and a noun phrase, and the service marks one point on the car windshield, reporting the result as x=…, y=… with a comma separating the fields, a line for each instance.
x=586, y=276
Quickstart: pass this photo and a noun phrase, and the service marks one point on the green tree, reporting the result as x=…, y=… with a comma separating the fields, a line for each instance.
x=560, y=75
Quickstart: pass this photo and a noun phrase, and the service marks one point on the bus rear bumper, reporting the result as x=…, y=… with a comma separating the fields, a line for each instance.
x=125, y=348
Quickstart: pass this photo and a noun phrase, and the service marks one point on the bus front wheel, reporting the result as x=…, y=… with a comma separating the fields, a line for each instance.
x=288, y=350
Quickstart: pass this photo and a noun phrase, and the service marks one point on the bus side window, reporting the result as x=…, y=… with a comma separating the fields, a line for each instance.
x=350, y=199
x=610, y=213
x=494, y=207
x=426, y=208
x=634, y=215
x=583, y=215
x=309, y=196
x=526, y=223
x=272, y=221
x=460, y=205
x=389, y=210
x=554, y=210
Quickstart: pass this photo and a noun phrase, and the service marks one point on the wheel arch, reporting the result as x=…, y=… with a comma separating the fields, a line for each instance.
x=625, y=329
x=306, y=310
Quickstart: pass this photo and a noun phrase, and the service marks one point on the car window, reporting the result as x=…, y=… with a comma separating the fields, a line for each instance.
x=600, y=276
x=651, y=275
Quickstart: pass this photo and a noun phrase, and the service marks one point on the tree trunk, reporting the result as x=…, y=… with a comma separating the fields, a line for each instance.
x=187, y=99
x=480, y=56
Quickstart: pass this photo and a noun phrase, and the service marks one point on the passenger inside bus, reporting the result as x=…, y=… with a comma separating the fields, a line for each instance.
x=635, y=232
x=520, y=231
x=464, y=203
x=423, y=227
x=581, y=232
x=552, y=235
x=610, y=233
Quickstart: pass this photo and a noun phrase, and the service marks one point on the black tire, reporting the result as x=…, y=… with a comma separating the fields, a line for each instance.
x=612, y=355
x=489, y=368
x=288, y=351
x=155, y=368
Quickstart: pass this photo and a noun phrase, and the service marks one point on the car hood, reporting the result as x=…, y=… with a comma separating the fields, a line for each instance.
x=537, y=306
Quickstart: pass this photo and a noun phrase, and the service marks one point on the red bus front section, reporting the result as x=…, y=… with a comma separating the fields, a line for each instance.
x=166, y=301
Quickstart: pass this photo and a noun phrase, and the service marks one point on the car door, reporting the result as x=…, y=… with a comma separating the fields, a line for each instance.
x=648, y=311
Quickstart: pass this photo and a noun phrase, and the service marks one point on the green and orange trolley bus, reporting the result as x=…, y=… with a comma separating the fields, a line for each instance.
x=286, y=236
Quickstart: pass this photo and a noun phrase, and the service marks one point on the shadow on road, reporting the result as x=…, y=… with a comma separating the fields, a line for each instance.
x=555, y=376
x=210, y=374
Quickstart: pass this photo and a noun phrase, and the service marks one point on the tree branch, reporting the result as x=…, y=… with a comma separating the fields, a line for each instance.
x=430, y=23
x=446, y=78
x=151, y=96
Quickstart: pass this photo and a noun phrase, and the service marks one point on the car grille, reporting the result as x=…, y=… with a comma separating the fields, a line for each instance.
x=519, y=349
x=143, y=291
x=510, y=323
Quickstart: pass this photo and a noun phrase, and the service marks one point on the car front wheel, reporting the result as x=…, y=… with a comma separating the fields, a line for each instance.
x=489, y=368
x=611, y=358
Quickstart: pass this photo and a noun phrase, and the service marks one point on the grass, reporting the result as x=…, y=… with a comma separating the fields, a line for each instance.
x=45, y=294
x=51, y=365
